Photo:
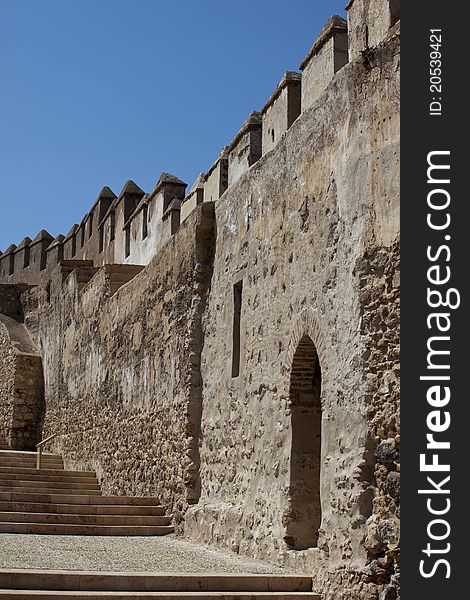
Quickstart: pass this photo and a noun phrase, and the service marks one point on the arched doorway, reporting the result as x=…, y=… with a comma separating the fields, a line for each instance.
x=304, y=516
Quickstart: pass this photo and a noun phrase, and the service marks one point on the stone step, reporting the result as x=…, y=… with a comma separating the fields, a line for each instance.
x=63, y=498
x=28, y=457
x=44, y=477
x=44, y=468
x=50, y=490
x=74, y=519
x=93, y=581
x=19, y=460
x=26, y=454
x=16, y=472
x=59, y=529
x=130, y=500
x=52, y=501
x=54, y=595
x=82, y=509
x=29, y=463
x=55, y=483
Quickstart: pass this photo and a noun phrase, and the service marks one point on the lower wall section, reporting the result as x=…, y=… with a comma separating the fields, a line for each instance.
x=21, y=385
x=299, y=444
x=7, y=382
x=122, y=371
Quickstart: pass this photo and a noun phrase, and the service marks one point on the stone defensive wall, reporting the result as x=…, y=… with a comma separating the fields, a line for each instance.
x=131, y=227
x=234, y=349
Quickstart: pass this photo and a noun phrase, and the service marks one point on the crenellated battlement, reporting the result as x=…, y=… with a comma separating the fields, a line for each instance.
x=325, y=58
x=281, y=110
x=131, y=227
x=369, y=22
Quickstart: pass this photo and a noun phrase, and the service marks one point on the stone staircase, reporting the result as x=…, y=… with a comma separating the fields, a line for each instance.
x=74, y=585
x=53, y=501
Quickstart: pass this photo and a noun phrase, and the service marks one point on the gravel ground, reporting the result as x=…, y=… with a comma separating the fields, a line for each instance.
x=86, y=553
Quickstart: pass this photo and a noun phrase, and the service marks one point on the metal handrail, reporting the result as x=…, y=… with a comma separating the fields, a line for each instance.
x=39, y=449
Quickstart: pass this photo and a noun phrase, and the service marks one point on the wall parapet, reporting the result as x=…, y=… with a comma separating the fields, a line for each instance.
x=194, y=198
x=7, y=261
x=245, y=148
x=216, y=178
x=325, y=58
x=369, y=22
x=335, y=25
x=252, y=122
x=129, y=228
x=281, y=110
x=289, y=78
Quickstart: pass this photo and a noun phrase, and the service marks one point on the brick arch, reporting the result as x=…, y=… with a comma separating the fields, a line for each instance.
x=307, y=324
x=302, y=518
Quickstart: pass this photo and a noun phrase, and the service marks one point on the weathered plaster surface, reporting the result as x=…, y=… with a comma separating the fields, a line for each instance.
x=122, y=371
x=312, y=232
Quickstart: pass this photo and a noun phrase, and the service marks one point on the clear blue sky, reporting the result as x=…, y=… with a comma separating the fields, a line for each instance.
x=95, y=92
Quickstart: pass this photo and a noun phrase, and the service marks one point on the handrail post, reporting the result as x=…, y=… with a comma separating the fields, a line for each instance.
x=39, y=448
x=39, y=457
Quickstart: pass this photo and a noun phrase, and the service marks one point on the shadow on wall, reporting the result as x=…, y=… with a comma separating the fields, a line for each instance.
x=303, y=519
x=21, y=383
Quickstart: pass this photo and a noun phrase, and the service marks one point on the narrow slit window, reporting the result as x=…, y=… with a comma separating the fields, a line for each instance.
x=101, y=238
x=128, y=241
x=26, y=257
x=82, y=237
x=112, y=232
x=43, y=263
x=11, y=265
x=145, y=219
x=237, y=310
x=90, y=225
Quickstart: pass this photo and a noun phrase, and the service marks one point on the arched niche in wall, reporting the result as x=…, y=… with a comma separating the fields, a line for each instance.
x=303, y=518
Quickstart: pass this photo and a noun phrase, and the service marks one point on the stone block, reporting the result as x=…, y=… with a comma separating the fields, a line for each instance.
x=369, y=22
x=216, y=179
x=281, y=110
x=245, y=148
x=325, y=58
